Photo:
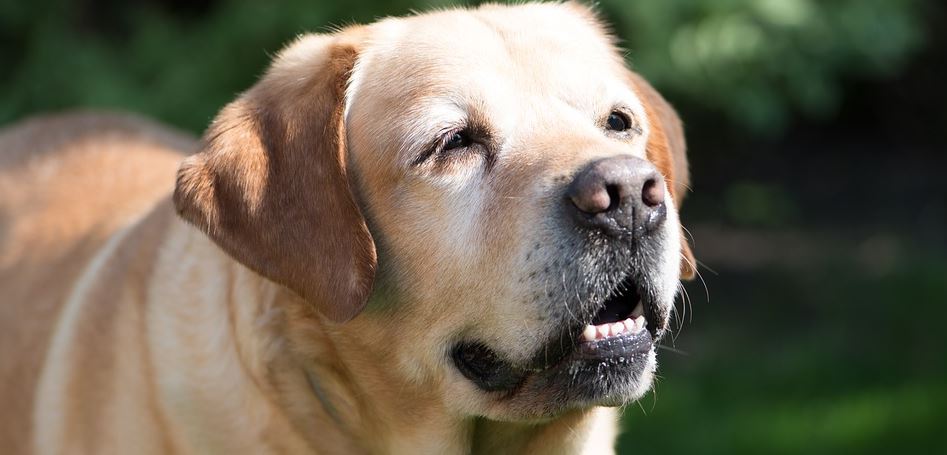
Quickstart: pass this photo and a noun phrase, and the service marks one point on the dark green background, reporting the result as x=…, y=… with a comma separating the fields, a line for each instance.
x=817, y=137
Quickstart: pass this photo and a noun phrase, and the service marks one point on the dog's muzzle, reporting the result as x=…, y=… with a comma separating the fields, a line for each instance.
x=616, y=205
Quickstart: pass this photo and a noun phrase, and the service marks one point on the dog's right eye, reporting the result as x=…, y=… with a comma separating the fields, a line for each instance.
x=452, y=144
x=456, y=140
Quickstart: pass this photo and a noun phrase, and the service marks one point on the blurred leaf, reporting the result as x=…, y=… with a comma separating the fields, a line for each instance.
x=752, y=203
x=762, y=61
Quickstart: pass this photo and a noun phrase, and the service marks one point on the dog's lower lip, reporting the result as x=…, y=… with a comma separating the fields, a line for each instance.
x=621, y=347
x=616, y=340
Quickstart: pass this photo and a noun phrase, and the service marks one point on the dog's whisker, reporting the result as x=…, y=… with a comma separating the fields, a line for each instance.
x=699, y=276
x=686, y=186
x=690, y=304
x=706, y=267
x=683, y=312
x=654, y=393
x=674, y=350
x=693, y=240
x=566, y=303
x=686, y=303
x=642, y=407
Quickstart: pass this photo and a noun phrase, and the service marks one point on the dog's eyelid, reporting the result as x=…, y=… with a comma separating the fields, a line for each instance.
x=455, y=139
x=471, y=135
x=436, y=146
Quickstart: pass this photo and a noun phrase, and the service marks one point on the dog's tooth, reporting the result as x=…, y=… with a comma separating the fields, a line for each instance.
x=632, y=327
x=617, y=328
x=640, y=323
x=602, y=330
x=589, y=333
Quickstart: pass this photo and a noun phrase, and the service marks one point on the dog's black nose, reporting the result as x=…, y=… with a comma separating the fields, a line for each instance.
x=623, y=194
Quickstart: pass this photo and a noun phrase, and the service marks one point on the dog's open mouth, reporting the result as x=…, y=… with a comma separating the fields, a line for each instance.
x=622, y=332
x=622, y=313
x=624, y=328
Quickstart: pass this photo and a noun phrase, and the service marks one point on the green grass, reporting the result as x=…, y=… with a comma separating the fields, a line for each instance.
x=823, y=360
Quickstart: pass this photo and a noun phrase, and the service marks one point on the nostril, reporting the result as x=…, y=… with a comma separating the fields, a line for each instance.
x=591, y=200
x=614, y=196
x=652, y=194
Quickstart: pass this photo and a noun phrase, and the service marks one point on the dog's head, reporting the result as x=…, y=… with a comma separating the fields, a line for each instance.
x=495, y=184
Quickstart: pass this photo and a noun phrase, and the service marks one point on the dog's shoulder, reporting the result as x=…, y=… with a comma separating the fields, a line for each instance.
x=67, y=183
x=73, y=178
x=68, y=176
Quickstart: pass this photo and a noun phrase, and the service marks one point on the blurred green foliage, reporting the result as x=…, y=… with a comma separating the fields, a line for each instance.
x=757, y=62
x=175, y=64
x=819, y=361
x=759, y=204
x=760, y=61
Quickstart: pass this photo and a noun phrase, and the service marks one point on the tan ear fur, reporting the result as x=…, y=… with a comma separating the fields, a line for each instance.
x=269, y=184
x=667, y=149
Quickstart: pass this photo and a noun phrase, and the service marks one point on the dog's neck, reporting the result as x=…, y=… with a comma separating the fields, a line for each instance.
x=284, y=380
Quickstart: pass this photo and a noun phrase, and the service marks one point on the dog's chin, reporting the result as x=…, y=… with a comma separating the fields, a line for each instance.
x=610, y=372
x=608, y=360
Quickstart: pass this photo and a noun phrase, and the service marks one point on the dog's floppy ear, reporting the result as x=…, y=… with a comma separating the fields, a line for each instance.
x=269, y=184
x=668, y=151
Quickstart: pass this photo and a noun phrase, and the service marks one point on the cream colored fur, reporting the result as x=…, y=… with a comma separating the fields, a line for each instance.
x=124, y=329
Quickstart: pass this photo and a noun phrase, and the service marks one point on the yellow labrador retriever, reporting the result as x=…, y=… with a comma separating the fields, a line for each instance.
x=454, y=232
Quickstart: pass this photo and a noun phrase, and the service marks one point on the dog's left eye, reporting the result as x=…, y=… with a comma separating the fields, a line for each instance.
x=456, y=140
x=617, y=122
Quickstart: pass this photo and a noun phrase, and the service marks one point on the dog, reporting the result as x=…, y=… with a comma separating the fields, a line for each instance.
x=454, y=232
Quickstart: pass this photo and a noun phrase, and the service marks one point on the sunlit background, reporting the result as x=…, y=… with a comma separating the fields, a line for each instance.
x=817, y=133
